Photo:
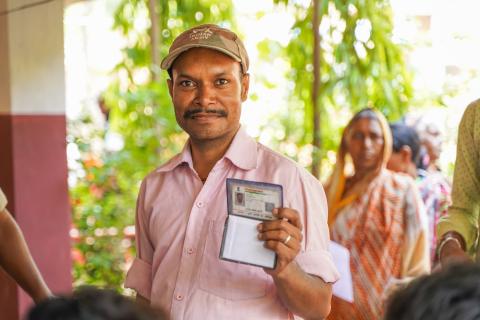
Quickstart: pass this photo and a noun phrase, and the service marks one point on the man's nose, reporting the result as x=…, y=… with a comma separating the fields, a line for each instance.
x=205, y=96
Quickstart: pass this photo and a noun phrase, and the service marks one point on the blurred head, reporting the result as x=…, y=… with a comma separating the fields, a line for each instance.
x=364, y=140
x=92, y=304
x=431, y=139
x=406, y=149
x=451, y=294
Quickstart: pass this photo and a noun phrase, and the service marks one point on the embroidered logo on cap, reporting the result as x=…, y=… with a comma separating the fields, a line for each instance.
x=201, y=34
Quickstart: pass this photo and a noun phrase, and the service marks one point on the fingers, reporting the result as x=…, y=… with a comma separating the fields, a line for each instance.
x=281, y=237
x=284, y=235
x=289, y=214
x=279, y=230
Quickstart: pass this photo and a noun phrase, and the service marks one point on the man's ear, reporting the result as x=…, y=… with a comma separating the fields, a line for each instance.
x=406, y=153
x=245, y=86
x=170, y=87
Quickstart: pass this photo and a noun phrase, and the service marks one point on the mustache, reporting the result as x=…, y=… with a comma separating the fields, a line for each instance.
x=192, y=112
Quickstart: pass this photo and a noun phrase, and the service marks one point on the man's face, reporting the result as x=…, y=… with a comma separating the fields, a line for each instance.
x=207, y=90
x=365, y=144
x=432, y=140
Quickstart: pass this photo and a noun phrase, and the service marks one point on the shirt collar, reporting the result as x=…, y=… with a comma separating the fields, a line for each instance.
x=242, y=153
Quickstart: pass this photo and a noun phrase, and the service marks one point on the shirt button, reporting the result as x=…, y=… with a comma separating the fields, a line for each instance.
x=200, y=204
x=190, y=250
x=179, y=297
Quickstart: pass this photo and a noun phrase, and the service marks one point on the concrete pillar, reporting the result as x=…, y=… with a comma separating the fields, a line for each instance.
x=33, y=165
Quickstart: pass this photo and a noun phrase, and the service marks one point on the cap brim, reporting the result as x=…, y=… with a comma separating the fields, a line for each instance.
x=170, y=58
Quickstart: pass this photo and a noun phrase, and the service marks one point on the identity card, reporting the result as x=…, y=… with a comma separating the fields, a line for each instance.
x=249, y=203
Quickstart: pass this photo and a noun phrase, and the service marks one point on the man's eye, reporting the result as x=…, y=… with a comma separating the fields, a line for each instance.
x=221, y=82
x=187, y=83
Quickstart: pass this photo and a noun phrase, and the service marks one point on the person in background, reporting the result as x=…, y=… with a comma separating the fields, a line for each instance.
x=15, y=257
x=431, y=144
x=89, y=303
x=377, y=215
x=458, y=230
x=181, y=208
x=450, y=294
x=435, y=192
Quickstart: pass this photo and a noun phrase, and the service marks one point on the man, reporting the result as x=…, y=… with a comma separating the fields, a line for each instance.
x=458, y=230
x=182, y=207
x=15, y=257
x=435, y=192
x=451, y=294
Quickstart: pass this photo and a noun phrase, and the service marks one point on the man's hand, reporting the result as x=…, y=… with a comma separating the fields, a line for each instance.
x=453, y=253
x=284, y=236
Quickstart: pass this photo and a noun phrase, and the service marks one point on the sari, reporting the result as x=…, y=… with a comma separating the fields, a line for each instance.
x=381, y=221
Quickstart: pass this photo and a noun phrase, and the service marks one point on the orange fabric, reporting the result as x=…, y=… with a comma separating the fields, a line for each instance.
x=379, y=221
x=373, y=228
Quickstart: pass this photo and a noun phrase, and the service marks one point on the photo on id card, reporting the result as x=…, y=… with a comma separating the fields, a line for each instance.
x=248, y=204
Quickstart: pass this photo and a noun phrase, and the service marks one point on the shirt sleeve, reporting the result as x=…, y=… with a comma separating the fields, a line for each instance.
x=3, y=201
x=462, y=215
x=311, y=203
x=139, y=276
x=416, y=254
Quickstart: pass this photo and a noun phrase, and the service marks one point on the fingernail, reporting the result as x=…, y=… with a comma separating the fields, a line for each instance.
x=259, y=236
x=259, y=227
x=275, y=211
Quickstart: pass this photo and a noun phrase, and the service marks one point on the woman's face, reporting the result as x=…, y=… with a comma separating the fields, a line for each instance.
x=365, y=144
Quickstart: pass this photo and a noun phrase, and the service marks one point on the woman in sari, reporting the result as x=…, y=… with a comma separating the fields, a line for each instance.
x=377, y=215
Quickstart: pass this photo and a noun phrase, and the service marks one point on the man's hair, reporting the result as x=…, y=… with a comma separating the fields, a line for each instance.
x=451, y=294
x=404, y=135
x=90, y=303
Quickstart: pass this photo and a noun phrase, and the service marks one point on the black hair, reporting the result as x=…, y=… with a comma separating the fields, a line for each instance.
x=89, y=303
x=451, y=294
x=403, y=135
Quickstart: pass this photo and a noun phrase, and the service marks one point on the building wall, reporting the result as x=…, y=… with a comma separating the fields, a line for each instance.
x=33, y=167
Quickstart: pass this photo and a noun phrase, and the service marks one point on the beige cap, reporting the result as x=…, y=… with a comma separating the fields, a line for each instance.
x=208, y=36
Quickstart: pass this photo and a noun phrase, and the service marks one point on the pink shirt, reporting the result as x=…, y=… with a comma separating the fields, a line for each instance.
x=179, y=226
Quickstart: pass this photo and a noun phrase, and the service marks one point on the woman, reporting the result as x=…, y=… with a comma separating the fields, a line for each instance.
x=377, y=215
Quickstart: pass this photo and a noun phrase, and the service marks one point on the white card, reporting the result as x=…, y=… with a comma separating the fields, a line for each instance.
x=241, y=243
x=343, y=288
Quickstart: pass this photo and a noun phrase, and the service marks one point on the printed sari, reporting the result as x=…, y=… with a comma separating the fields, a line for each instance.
x=381, y=221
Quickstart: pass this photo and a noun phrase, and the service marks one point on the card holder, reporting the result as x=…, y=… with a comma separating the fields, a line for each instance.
x=249, y=203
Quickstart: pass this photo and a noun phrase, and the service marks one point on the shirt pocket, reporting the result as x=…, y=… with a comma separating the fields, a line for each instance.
x=225, y=279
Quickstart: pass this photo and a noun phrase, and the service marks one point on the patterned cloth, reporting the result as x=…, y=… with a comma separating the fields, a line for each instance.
x=3, y=201
x=463, y=215
x=385, y=231
x=435, y=192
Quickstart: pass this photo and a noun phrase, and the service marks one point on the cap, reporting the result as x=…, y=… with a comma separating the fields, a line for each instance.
x=208, y=36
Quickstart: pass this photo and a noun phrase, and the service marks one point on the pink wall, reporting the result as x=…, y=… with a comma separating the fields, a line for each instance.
x=33, y=174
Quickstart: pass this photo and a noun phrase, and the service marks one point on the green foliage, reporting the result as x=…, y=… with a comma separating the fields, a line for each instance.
x=140, y=111
x=356, y=71
x=360, y=66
